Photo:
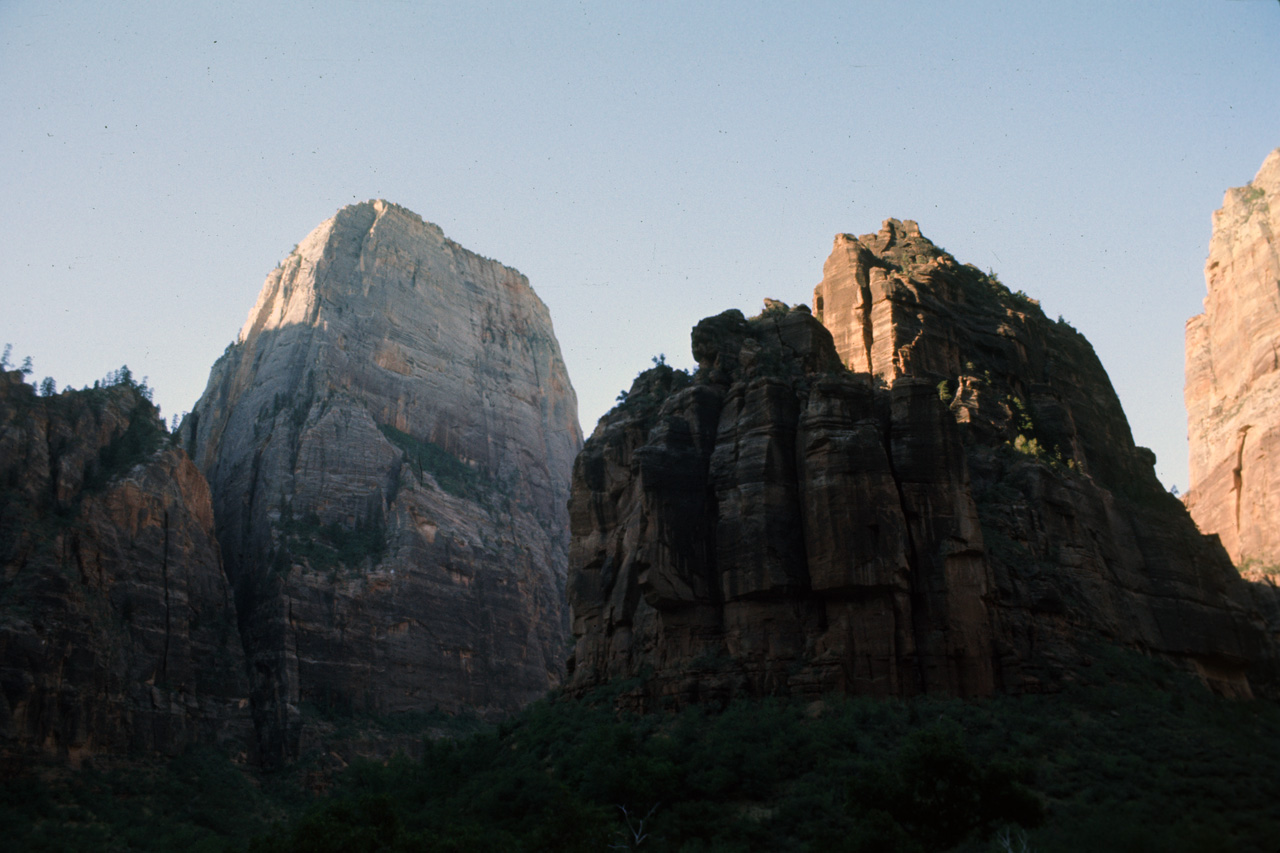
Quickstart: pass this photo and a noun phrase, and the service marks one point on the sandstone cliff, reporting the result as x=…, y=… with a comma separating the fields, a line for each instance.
x=1233, y=376
x=388, y=443
x=117, y=628
x=959, y=510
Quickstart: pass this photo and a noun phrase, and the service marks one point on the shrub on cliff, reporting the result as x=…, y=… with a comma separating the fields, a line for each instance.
x=139, y=440
x=450, y=473
x=326, y=546
x=652, y=386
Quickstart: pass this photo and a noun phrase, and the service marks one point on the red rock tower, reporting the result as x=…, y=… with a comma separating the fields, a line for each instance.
x=923, y=486
x=1233, y=376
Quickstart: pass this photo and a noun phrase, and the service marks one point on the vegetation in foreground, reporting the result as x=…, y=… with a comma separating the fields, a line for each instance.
x=1134, y=757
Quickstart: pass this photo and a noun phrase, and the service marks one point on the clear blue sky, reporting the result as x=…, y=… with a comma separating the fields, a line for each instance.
x=645, y=164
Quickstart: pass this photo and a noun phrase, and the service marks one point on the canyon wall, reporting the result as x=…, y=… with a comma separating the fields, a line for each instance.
x=934, y=489
x=1233, y=377
x=117, y=626
x=388, y=443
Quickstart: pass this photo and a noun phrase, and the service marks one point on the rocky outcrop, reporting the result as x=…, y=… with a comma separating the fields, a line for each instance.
x=933, y=489
x=117, y=628
x=388, y=443
x=1233, y=377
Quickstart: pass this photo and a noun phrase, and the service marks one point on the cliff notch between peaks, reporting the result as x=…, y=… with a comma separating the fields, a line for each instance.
x=388, y=444
x=928, y=487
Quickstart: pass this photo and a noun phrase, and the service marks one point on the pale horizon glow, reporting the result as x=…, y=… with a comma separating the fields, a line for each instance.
x=645, y=165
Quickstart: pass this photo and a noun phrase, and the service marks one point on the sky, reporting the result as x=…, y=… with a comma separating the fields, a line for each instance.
x=644, y=164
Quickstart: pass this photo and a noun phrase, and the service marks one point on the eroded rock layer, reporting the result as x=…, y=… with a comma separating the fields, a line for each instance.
x=388, y=444
x=1233, y=377
x=935, y=491
x=117, y=627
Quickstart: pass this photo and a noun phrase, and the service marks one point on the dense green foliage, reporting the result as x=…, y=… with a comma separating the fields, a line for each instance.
x=198, y=801
x=934, y=794
x=1137, y=759
x=1133, y=757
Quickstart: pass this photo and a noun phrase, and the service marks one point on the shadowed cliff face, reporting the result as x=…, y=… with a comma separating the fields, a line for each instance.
x=117, y=629
x=1233, y=376
x=962, y=510
x=388, y=444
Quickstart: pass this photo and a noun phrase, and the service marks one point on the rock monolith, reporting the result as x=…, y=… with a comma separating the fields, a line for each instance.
x=388, y=443
x=1233, y=377
x=924, y=486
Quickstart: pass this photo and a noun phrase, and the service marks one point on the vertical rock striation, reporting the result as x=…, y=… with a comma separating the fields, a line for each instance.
x=960, y=510
x=1233, y=376
x=117, y=628
x=388, y=443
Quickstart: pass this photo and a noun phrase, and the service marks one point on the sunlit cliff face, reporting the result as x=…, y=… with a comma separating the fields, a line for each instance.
x=388, y=444
x=1233, y=376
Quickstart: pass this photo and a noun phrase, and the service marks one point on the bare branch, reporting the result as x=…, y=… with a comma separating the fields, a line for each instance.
x=635, y=826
